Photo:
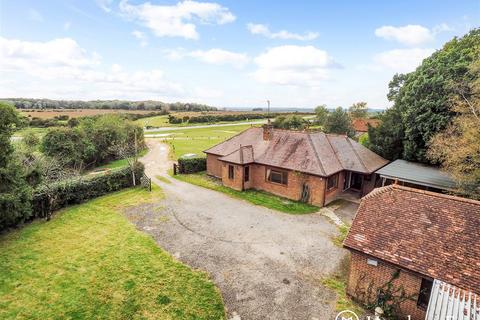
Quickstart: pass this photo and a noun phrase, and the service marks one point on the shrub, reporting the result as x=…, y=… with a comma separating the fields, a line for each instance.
x=79, y=190
x=192, y=165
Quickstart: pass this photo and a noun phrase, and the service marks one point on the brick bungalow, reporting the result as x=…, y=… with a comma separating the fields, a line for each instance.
x=311, y=166
x=427, y=237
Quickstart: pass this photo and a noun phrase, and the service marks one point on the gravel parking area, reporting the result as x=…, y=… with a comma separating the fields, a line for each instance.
x=268, y=265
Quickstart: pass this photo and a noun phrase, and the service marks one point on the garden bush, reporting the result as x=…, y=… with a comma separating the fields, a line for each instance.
x=79, y=190
x=192, y=165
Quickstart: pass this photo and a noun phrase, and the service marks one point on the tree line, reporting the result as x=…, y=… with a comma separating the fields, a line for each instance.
x=29, y=103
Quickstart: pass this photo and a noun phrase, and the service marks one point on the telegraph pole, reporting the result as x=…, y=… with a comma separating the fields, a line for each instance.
x=268, y=107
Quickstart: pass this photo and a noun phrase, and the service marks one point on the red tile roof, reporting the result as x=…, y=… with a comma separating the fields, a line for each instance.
x=315, y=153
x=361, y=125
x=430, y=233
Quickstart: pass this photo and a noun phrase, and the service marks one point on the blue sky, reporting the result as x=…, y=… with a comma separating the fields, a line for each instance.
x=223, y=53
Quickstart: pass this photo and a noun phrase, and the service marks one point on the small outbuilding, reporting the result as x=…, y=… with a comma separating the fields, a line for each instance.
x=416, y=175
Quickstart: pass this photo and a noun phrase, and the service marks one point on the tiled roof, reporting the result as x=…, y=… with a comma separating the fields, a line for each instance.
x=361, y=125
x=316, y=153
x=430, y=233
x=242, y=155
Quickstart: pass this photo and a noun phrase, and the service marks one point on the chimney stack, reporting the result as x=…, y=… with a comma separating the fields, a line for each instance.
x=268, y=131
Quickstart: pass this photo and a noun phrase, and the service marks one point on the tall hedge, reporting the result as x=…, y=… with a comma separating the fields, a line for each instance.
x=79, y=190
x=192, y=165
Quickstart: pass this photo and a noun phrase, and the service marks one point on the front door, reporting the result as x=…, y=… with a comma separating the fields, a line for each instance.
x=356, y=181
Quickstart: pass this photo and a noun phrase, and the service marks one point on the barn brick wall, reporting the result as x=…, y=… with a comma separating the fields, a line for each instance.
x=362, y=276
x=214, y=166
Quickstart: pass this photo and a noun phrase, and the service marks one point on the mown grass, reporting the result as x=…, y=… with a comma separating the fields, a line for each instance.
x=198, y=139
x=338, y=283
x=162, y=121
x=89, y=262
x=253, y=196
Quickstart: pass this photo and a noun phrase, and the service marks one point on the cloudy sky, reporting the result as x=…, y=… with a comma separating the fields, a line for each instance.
x=223, y=53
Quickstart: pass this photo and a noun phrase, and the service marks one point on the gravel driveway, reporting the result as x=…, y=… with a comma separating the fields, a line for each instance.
x=267, y=264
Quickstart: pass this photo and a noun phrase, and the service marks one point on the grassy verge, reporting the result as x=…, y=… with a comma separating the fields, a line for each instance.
x=338, y=283
x=256, y=197
x=343, y=231
x=163, y=179
x=89, y=262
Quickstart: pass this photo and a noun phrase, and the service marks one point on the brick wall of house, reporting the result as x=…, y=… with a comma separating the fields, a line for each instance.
x=331, y=195
x=294, y=187
x=363, y=276
x=214, y=166
x=236, y=182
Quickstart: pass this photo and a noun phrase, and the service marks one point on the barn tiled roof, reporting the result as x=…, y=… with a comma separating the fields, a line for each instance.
x=430, y=233
x=361, y=125
x=316, y=153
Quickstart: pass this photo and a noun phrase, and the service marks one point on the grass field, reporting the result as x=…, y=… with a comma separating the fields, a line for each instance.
x=162, y=121
x=253, y=196
x=198, y=139
x=89, y=262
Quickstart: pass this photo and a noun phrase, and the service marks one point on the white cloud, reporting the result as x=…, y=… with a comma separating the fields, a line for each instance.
x=177, y=20
x=57, y=66
x=442, y=27
x=140, y=36
x=403, y=60
x=214, y=56
x=263, y=30
x=34, y=15
x=220, y=57
x=293, y=65
x=410, y=35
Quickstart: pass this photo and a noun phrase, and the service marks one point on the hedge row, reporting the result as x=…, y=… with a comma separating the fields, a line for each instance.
x=192, y=165
x=219, y=117
x=79, y=190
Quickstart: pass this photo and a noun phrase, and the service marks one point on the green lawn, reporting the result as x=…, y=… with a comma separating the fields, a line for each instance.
x=256, y=197
x=89, y=262
x=162, y=121
x=198, y=139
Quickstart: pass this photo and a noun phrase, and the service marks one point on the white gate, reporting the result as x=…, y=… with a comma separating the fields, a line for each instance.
x=448, y=302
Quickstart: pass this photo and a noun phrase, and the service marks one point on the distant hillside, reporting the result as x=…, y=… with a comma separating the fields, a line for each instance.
x=27, y=103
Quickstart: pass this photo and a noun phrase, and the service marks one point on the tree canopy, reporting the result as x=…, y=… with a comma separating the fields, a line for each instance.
x=358, y=110
x=422, y=101
x=339, y=122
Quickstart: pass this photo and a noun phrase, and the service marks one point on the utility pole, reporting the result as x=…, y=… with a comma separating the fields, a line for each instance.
x=268, y=107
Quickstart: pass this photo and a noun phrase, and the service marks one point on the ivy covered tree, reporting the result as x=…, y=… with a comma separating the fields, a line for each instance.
x=15, y=193
x=422, y=105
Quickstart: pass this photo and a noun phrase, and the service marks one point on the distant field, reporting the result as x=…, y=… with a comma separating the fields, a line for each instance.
x=162, y=121
x=197, y=140
x=76, y=113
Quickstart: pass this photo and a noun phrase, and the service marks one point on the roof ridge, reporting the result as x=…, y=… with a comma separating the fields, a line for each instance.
x=316, y=153
x=437, y=194
x=377, y=191
x=333, y=149
x=356, y=153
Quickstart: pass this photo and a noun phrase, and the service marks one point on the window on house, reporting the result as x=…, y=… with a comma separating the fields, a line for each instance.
x=246, y=174
x=424, y=294
x=231, y=172
x=332, y=182
x=277, y=176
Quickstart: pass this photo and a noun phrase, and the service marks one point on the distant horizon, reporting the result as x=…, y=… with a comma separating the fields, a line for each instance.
x=221, y=53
